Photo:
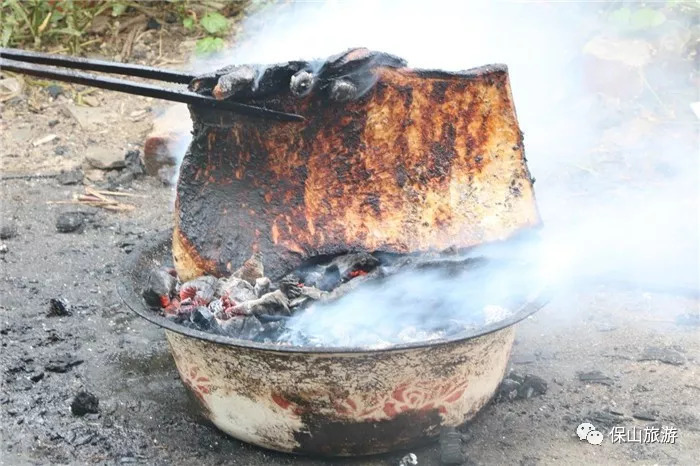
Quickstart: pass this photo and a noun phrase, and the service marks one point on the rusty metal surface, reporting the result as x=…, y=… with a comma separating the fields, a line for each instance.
x=341, y=404
x=423, y=161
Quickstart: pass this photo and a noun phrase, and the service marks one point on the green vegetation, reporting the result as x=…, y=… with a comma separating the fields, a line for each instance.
x=71, y=23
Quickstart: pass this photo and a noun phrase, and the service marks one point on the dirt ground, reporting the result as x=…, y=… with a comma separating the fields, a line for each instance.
x=145, y=415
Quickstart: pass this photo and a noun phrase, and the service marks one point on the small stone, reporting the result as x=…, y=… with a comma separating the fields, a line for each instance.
x=409, y=460
x=105, y=158
x=8, y=231
x=84, y=403
x=70, y=177
x=651, y=415
x=60, y=150
x=37, y=376
x=594, y=377
x=58, y=308
x=152, y=24
x=69, y=222
x=91, y=101
x=665, y=355
x=53, y=123
x=54, y=90
x=62, y=363
x=3, y=248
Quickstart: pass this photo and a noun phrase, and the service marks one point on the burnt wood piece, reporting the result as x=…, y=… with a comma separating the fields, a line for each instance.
x=422, y=161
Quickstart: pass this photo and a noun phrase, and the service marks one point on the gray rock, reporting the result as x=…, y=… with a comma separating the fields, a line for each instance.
x=665, y=355
x=70, y=177
x=594, y=377
x=105, y=158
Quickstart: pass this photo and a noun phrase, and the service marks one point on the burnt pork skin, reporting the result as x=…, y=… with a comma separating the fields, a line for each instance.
x=389, y=158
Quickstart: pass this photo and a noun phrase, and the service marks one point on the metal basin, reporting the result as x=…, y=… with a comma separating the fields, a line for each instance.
x=329, y=401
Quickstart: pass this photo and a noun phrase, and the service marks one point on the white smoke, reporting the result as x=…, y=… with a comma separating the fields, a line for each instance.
x=609, y=133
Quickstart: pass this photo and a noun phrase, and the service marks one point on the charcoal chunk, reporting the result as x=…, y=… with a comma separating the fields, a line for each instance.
x=272, y=330
x=508, y=390
x=68, y=222
x=451, y=446
x=237, y=289
x=160, y=284
x=204, y=319
x=232, y=327
x=350, y=264
x=290, y=286
x=201, y=288
x=251, y=328
x=531, y=386
x=84, y=403
x=262, y=286
x=62, y=363
x=274, y=303
x=58, y=308
x=8, y=231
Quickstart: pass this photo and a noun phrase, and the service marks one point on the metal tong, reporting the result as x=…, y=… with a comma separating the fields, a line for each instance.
x=32, y=63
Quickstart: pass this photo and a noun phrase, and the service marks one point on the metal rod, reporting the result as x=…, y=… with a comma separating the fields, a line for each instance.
x=80, y=63
x=144, y=89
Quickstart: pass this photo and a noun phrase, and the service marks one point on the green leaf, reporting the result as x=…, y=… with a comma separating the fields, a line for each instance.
x=646, y=18
x=188, y=22
x=214, y=23
x=208, y=45
x=118, y=9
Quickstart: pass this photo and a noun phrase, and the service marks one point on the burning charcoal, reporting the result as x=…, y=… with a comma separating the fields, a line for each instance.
x=159, y=288
x=203, y=318
x=239, y=79
x=251, y=270
x=301, y=83
x=262, y=286
x=58, y=308
x=236, y=289
x=290, y=286
x=273, y=303
x=201, y=289
x=251, y=328
x=347, y=287
x=69, y=222
x=84, y=403
x=353, y=265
